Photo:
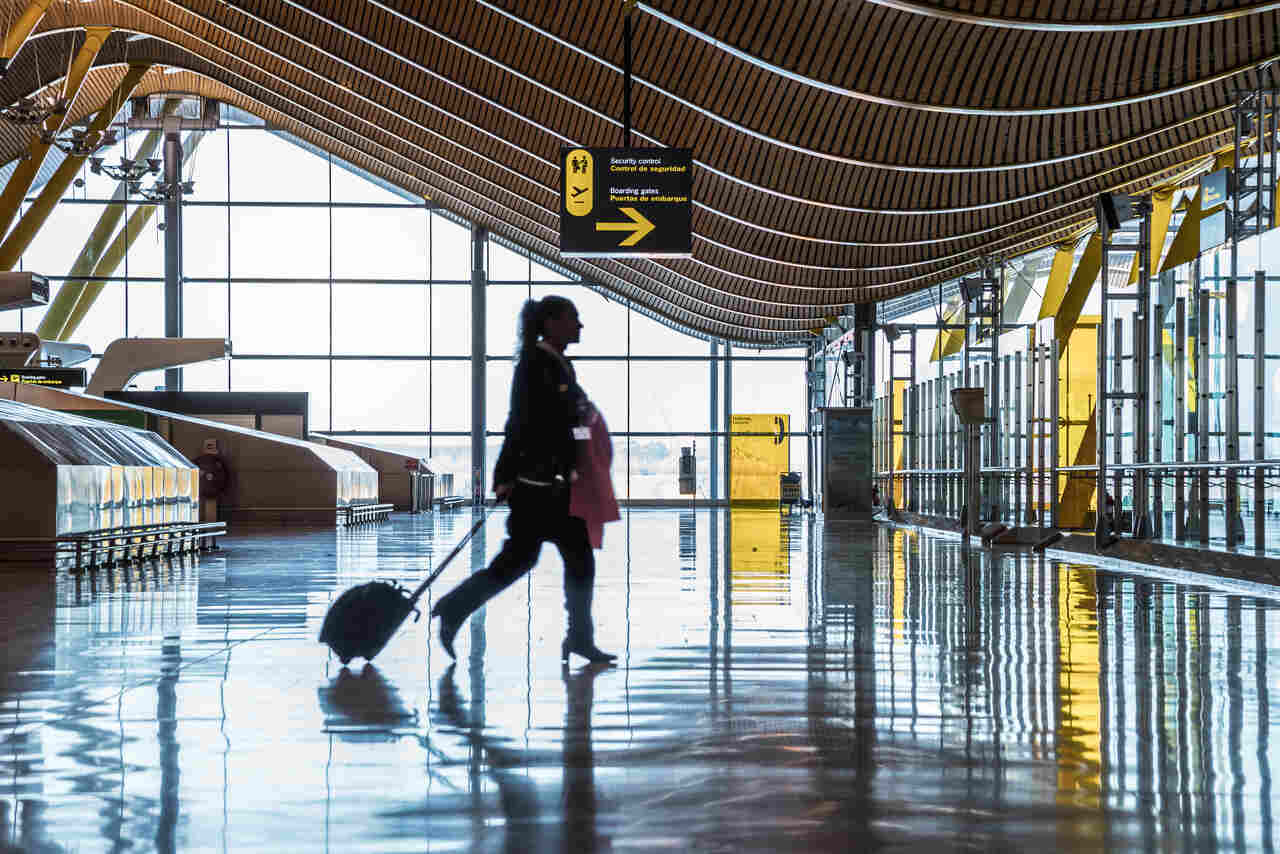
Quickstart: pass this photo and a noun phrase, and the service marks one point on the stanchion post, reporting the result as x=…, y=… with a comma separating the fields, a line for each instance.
x=1180, y=418
x=1259, y=408
x=1054, y=395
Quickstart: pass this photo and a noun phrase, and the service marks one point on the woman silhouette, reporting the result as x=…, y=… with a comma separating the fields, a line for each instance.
x=537, y=463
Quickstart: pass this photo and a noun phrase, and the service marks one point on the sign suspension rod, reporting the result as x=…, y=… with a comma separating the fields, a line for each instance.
x=627, y=7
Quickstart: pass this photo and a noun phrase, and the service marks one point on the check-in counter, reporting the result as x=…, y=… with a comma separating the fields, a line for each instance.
x=269, y=479
x=404, y=480
x=64, y=474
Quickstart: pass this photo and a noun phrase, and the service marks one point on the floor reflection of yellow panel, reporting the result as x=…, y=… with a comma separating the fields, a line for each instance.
x=904, y=540
x=756, y=461
x=759, y=562
x=1079, y=740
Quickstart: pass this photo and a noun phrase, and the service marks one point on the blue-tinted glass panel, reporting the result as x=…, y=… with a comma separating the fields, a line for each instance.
x=205, y=242
x=450, y=250
x=379, y=243
x=309, y=375
x=451, y=396
x=267, y=167
x=505, y=265
x=145, y=316
x=451, y=320
x=372, y=394
x=204, y=310
x=650, y=338
x=383, y=320
x=502, y=310
x=286, y=243
x=207, y=168
x=670, y=396
x=271, y=318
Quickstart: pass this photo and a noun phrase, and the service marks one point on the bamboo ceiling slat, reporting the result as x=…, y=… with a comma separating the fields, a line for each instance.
x=845, y=151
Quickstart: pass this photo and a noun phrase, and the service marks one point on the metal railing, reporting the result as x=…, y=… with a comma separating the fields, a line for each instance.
x=364, y=514
x=111, y=547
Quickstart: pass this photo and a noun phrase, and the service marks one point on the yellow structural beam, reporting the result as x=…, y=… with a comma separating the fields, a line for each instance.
x=1059, y=273
x=21, y=29
x=1161, y=214
x=949, y=341
x=1186, y=243
x=25, y=174
x=27, y=228
x=1078, y=290
x=105, y=267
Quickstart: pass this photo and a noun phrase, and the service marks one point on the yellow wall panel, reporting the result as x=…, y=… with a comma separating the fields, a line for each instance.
x=757, y=461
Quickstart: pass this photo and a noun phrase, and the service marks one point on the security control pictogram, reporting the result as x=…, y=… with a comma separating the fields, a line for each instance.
x=626, y=202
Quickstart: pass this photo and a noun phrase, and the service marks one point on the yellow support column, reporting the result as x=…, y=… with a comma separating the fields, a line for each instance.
x=1056, y=288
x=17, y=35
x=22, y=178
x=106, y=266
x=949, y=341
x=1161, y=214
x=27, y=228
x=1186, y=243
x=1078, y=291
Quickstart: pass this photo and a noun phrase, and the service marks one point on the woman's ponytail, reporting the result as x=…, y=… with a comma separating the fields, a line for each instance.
x=529, y=326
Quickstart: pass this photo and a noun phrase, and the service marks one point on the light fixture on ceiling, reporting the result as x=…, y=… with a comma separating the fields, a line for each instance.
x=162, y=191
x=78, y=141
x=33, y=110
x=129, y=171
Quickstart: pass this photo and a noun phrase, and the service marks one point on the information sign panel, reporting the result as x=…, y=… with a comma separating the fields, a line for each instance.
x=622, y=202
x=52, y=377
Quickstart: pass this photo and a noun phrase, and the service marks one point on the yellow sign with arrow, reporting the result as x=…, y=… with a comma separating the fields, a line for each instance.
x=626, y=202
x=639, y=226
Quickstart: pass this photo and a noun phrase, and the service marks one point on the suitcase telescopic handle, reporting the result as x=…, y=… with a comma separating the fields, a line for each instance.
x=422, y=588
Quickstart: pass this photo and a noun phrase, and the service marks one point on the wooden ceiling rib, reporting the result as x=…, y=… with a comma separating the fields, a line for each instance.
x=845, y=151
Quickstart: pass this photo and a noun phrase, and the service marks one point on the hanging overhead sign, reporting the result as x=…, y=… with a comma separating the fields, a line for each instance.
x=626, y=202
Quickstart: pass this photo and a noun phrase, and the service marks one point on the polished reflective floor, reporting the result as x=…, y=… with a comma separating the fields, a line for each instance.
x=784, y=684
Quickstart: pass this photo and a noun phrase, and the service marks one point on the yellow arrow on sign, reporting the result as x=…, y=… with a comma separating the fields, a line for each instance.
x=639, y=226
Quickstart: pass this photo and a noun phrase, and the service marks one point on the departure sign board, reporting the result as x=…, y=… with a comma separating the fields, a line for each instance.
x=620, y=202
x=51, y=377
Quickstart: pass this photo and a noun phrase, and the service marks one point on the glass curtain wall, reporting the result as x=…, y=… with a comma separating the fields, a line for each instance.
x=331, y=282
x=1187, y=404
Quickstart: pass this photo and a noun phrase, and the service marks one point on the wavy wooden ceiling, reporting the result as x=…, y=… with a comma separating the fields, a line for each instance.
x=847, y=150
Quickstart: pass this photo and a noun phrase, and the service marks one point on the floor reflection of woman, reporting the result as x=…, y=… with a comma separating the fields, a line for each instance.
x=546, y=426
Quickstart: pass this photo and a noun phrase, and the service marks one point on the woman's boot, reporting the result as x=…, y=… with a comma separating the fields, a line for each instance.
x=580, y=637
x=456, y=605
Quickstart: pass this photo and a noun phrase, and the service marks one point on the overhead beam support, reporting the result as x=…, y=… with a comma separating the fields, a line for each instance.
x=1059, y=275
x=115, y=253
x=1068, y=313
x=55, y=318
x=21, y=29
x=948, y=341
x=25, y=174
x=1161, y=214
x=1186, y=243
x=1019, y=291
x=27, y=228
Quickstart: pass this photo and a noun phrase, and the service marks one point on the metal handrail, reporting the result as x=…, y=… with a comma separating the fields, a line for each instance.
x=110, y=542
